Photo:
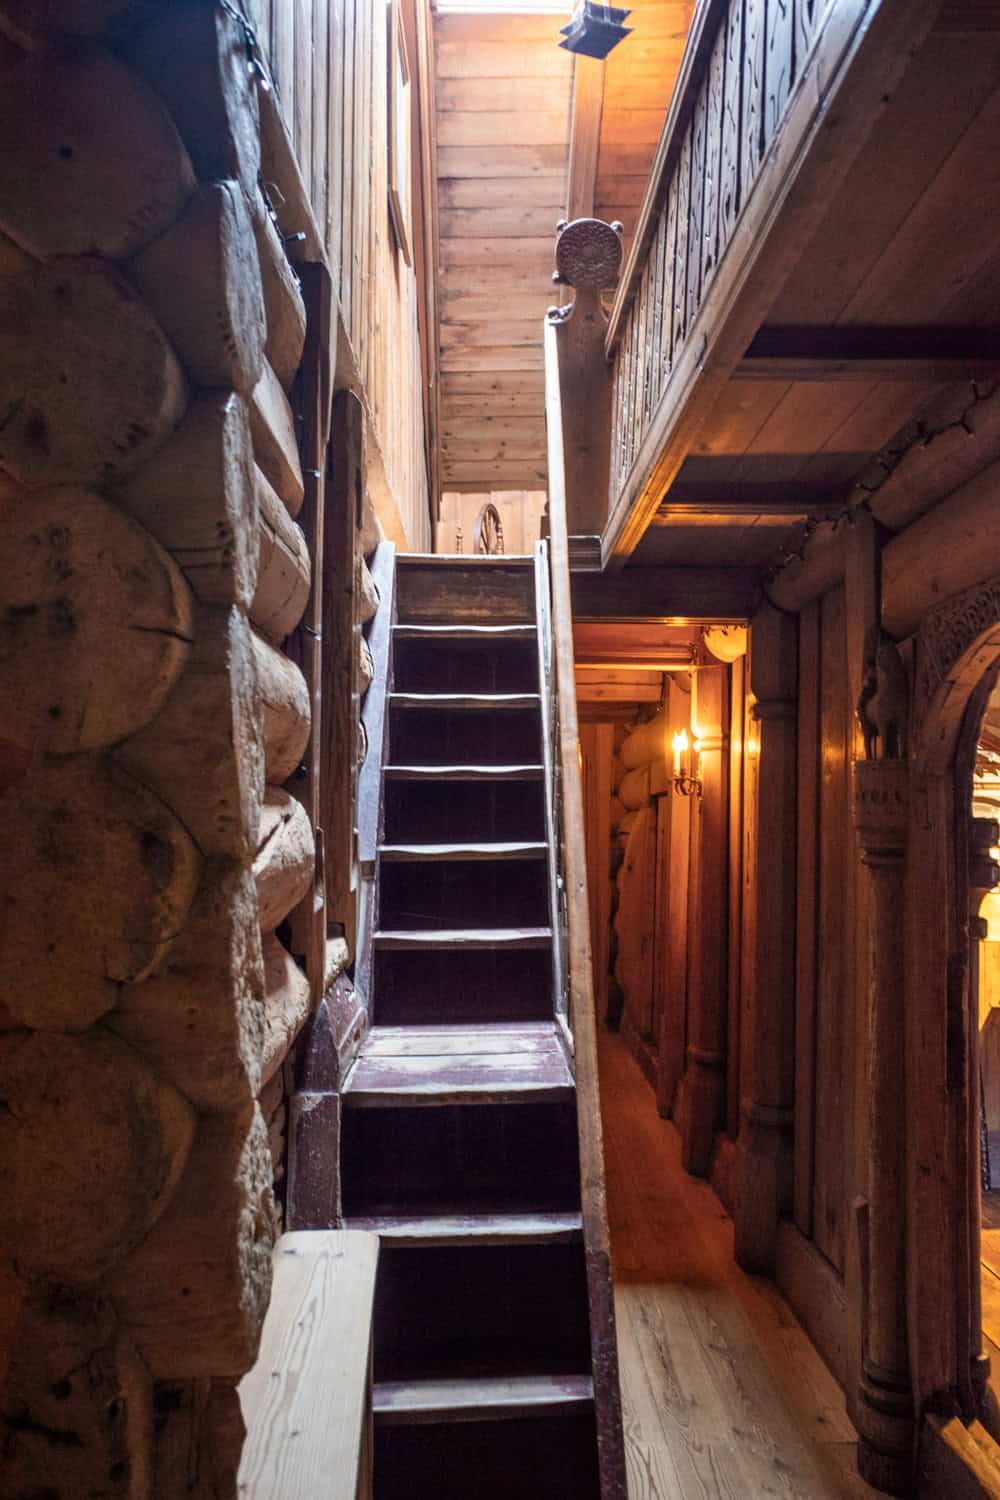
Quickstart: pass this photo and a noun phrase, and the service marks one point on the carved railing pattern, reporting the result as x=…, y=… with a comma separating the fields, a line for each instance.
x=742, y=62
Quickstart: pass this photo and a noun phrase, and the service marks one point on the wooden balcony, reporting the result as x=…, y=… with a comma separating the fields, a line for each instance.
x=777, y=289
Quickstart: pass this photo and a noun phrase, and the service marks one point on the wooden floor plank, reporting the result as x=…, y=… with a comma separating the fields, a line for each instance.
x=468, y=939
x=442, y=853
x=723, y=1393
x=464, y=773
x=472, y=1229
x=304, y=1400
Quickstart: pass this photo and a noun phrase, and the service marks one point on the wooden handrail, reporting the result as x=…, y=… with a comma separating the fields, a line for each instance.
x=604, y=1350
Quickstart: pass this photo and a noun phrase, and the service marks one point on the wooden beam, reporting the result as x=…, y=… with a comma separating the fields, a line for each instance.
x=856, y=61
x=921, y=355
x=667, y=594
x=793, y=500
x=585, y=137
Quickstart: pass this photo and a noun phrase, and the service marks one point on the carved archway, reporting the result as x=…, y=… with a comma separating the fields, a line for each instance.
x=489, y=531
x=956, y=657
x=956, y=645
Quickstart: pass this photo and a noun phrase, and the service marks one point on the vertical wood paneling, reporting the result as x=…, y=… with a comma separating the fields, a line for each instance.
x=833, y=1009
x=333, y=140
x=742, y=814
x=282, y=56
x=805, y=924
x=302, y=88
x=320, y=110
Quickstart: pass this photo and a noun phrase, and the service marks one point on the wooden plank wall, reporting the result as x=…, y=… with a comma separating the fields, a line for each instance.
x=825, y=1009
x=520, y=516
x=330, y=67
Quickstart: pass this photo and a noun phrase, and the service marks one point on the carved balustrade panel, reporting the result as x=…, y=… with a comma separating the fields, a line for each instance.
x=747, y=56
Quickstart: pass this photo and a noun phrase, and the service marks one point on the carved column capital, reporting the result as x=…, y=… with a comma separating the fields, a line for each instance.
x=881, y=808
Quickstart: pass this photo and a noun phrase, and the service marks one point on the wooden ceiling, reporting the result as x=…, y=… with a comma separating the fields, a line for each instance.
x=502, y=121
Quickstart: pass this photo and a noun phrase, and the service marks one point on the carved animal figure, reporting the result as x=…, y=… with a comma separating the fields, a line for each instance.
x=883, y=703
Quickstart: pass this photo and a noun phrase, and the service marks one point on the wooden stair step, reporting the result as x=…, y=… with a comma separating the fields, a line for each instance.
x=528, y=772
x=498, y=702
x=397, y=1230
x=401, y=1065
x=464, y=632
x=436, y=853
x=471, y=939
x=492, y=1398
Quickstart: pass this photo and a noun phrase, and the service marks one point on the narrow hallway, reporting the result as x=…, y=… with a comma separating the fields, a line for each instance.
x=723, y=1393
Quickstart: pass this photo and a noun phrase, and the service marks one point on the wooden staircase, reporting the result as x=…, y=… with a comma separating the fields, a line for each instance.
x=460, y=1145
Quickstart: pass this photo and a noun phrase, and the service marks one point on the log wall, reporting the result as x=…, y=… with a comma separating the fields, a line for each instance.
x=164, y=380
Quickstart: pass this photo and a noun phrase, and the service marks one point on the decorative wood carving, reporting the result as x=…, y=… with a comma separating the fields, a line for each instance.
x=729, y=177
x=713, y=156
x=683, y=232
x=948, y=632
x=778, y=65
x=699, y=125
x=752, y=134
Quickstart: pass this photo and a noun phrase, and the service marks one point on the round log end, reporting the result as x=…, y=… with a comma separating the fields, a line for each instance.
x=92, y=162
x=79, y=1108
x=95, y=622
x=84, y=840
x=89, y=385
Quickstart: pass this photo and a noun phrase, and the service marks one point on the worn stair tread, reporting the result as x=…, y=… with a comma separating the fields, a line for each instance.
x=459, y=560
x=470, y=1040
x=471, y=1228
x=452, y=1065
x=447, y=701
x=469, y=938
x=434, y=853
x=520, y=772
x=480, y=1399
x=465, y=632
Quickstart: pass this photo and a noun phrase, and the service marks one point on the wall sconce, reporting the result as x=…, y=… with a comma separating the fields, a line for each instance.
x=686, y=784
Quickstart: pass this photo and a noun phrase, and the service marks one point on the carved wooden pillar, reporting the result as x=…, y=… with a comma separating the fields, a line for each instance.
x=702, y=1097
x=885, y=1408
x=983, y=875
x=764, y=1149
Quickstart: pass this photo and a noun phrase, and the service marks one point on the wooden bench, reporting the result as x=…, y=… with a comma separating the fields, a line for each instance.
x=307, y=1401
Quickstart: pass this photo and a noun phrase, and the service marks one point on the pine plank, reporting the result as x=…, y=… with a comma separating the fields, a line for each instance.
x=464, y=773
x=481, y=1400
x=464, y=632
x=468, y=938
x=723, y=1393
x=472, y=1229
x=451, y=1041
x=443, y=853
x=448, y=701
x=304, y=1402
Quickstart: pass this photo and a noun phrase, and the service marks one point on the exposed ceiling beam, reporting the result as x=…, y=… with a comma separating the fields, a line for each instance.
x=585, y=137
x=927, y=354
x=667, y=594
x=796, y=501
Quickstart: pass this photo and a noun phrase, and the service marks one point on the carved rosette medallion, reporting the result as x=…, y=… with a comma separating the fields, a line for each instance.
x=589, y=254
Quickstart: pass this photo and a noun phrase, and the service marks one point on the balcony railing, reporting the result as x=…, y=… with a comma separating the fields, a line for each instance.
x=758, y=80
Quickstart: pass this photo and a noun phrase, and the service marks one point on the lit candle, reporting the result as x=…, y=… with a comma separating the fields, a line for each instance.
x=680, y=747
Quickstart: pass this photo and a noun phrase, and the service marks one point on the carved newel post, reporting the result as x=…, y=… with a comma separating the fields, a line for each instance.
x=588, y=258
x=885, y=1409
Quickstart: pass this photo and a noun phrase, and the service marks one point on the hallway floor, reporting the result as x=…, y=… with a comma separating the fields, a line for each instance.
x=724, y=1394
